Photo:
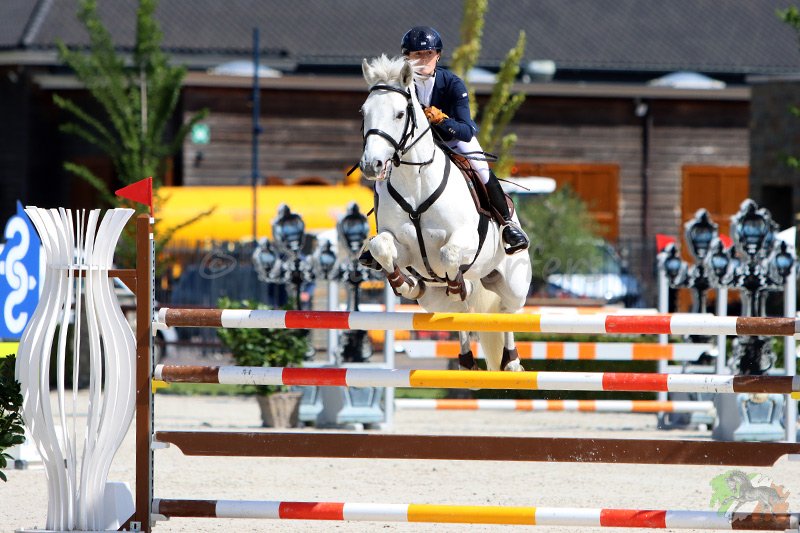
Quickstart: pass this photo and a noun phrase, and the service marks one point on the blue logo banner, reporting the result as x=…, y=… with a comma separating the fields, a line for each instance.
x=19, y=275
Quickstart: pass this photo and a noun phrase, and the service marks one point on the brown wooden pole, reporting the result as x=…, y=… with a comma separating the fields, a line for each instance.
x=144, y=369
x=477, y=448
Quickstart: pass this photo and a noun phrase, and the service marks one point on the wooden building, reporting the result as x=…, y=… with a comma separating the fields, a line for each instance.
x=644, y=157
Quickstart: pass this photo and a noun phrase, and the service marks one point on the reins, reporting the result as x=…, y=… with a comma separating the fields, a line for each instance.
x=400, y=149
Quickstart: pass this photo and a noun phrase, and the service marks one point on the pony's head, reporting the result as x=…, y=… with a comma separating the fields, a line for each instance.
x=389, y=114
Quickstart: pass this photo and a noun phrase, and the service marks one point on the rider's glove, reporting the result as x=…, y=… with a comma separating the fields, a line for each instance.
x=434, y=114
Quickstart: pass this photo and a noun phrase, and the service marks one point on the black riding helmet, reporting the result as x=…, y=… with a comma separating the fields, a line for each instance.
x=420, y=38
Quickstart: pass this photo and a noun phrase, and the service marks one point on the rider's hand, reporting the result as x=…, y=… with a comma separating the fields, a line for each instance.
x=434, y=114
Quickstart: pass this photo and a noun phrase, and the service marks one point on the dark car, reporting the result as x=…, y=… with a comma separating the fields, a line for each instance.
x=607, y=280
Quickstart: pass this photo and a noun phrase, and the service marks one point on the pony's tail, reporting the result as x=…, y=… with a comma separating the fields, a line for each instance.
x=485, y=301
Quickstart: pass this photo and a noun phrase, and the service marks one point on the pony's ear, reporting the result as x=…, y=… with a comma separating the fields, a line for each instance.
x=406, y=74
x=369, y=75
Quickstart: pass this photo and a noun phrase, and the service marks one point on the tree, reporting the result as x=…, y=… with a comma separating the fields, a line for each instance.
x=563, y=234
x=791, y=16
x=138, y=97
x=502, y=105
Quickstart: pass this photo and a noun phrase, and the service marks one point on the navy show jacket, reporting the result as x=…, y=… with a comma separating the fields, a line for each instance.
x=450, y=95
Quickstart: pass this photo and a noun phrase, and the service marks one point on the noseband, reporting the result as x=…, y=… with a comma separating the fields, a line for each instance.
x=409, y=127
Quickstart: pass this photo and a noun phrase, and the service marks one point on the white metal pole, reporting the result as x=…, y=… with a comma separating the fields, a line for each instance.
x=663, y=307
x=333, y=334
x=789, y=349
x=388, y=354
x=722, y=310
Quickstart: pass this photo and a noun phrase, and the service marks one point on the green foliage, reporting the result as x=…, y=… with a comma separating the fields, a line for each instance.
x=207, y=389
x=791, y=16
x=502, y=105
x=11, y=425
x=424, y=394
x=263, y=347
x=466, y=54
x=562, y=232
x=138, y=97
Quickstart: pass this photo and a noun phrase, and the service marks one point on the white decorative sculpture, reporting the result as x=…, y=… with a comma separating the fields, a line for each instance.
x=77, y=454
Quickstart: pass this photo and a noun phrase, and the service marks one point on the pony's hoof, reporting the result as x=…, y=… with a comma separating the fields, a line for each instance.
x=514, y=366
x=473, y=367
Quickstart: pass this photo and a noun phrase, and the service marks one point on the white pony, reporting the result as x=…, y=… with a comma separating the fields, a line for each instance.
x=428, y=228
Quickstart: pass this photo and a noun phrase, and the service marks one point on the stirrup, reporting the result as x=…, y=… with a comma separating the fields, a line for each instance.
x=522, y=243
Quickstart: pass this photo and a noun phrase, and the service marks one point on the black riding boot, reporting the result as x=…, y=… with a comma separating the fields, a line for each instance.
x=513, y=235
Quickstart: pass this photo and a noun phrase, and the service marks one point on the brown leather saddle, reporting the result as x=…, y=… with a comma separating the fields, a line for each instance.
x=478, y=190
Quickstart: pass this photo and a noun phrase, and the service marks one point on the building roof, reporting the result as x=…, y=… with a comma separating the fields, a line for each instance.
x=731, y=37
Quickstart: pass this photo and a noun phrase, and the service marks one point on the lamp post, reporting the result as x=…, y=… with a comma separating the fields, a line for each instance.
x=352, y=230
x=282, y=261
x=757, y=264
x=699, y=233
x=764, y=267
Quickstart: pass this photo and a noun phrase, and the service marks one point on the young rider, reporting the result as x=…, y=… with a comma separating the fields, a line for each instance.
x=446, y=103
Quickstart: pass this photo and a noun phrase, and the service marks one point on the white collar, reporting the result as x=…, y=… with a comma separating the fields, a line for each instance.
x=425, y=88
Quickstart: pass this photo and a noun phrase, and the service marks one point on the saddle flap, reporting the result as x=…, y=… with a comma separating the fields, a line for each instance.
x=478, y=190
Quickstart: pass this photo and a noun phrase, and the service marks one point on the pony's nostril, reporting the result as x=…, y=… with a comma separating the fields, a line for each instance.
x=378, y=164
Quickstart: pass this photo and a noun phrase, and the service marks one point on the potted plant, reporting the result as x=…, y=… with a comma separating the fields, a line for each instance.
x=268, y=347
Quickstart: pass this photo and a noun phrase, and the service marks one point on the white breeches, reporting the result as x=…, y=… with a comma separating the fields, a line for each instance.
x=470, y=147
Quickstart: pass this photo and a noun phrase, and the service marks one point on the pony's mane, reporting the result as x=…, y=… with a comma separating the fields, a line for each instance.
x=387, y=69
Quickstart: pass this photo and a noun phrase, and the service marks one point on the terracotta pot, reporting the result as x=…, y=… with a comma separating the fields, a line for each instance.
x=280, y=409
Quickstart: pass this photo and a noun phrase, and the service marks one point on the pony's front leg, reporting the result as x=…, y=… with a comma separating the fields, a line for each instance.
x=384, y=249
x=452, y=256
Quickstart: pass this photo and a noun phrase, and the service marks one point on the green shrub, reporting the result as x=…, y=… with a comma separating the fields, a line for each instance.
x=11, y=426
x=263, y=347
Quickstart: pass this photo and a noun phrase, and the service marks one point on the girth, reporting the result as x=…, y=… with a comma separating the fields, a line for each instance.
x=416, y=214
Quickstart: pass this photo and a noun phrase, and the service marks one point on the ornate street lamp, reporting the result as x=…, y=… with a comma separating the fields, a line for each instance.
x=673, y=265
x=265, y=259
x=699, y=232
x=353, y=229
x=718, y=262
x=288, y=230
x=324, y=260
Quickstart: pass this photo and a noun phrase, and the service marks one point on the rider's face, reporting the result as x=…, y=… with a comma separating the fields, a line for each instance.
x=426, y=60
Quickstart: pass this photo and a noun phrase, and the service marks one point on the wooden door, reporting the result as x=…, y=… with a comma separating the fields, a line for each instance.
x=720, y=190
x=596, y=184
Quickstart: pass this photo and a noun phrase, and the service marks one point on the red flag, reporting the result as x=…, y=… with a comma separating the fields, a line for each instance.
x=726, y=241
x=663, y=240
x=140, y=192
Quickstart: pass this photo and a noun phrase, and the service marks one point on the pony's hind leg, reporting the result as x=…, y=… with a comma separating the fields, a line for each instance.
x=466, y=359
x=510, y=359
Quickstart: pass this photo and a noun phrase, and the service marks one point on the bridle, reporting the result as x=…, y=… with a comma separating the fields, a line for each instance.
x=410, y=126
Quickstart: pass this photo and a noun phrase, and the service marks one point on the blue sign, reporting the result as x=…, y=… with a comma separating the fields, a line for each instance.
x=19, y=275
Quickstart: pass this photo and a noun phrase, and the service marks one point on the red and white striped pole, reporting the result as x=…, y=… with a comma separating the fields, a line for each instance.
x=459, y=379
x=464, y=514
x=677, y=324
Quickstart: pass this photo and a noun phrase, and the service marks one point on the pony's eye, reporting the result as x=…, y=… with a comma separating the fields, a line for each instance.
x=400, y=115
